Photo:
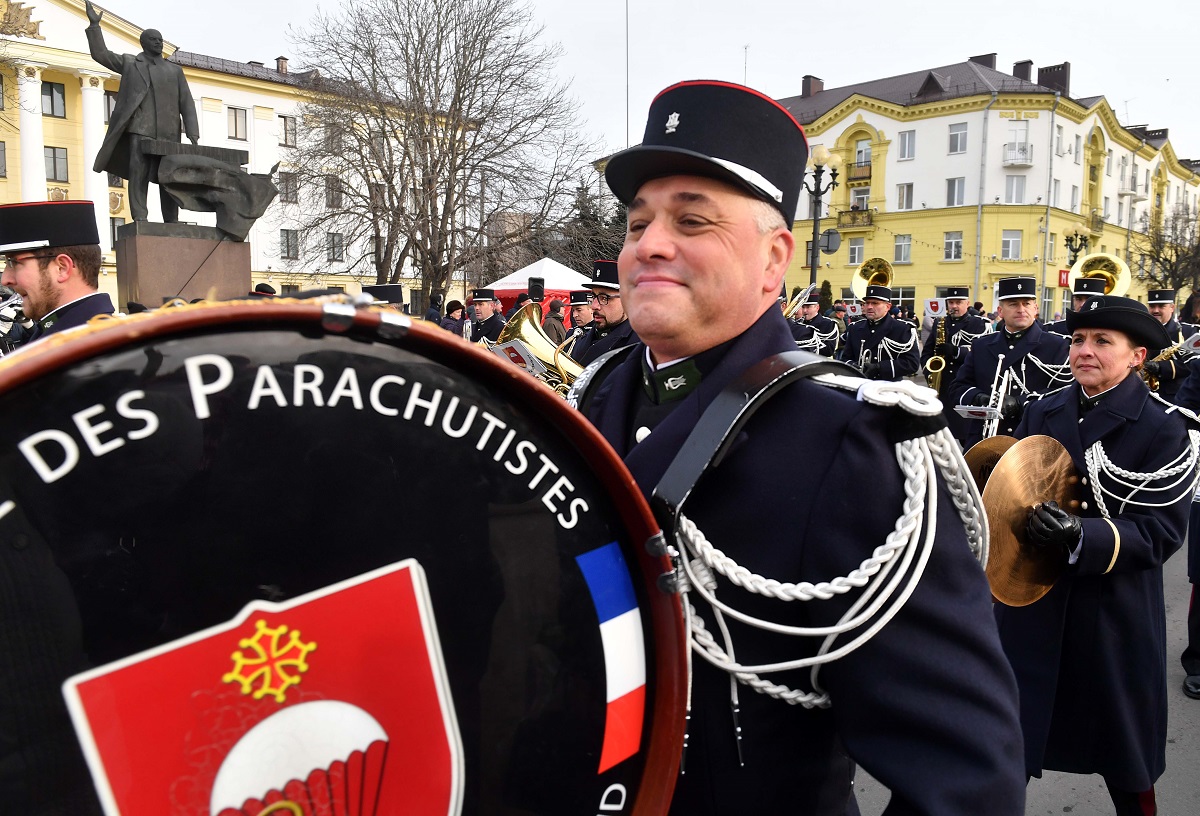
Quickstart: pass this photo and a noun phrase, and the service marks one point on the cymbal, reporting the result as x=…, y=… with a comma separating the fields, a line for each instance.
x=1034, y=470
x=983, y=456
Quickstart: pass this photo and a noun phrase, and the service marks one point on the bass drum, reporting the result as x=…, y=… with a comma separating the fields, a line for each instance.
x=303, y=558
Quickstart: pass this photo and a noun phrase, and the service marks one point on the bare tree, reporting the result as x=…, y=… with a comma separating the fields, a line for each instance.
x=436, y=136
x=595, y=230
x=1167, y=249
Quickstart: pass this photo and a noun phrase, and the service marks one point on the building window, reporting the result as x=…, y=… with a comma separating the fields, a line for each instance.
x=237, y=124
x=856, y=247
x=1107, y=208
x=1078, y=149
x=1010, y=245
x=379, y=195
x=958, y=138
x=334, y=248
x=860, y=197
x=1051, y=252
x=287, y=131
x=1108, y=164
x=1120, y=212
x=862, y=151
x=908, y=145
x=1054, y=190
x=289, y=244
x=3, y=161
x=905, y=297
x=904, y=196
x=56, y=163
x=1014, y=189
x=289, y=288
x=113, y=225
x=953, y=246
x=1074, y=198
x=110, y=104
x=333, y=193
x=956, y=191
x=903, y=250
x=333, y=137
x=289, y=188
x=115, y=181
x=54, y=102
x=2, y=93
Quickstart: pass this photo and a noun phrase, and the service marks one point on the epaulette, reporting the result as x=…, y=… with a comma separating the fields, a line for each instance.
x=1044, y=394
x=1171, y=407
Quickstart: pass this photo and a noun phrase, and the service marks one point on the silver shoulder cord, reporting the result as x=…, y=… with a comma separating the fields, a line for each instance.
x=887, y=577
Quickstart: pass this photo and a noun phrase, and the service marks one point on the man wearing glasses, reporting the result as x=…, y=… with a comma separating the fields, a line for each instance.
x=51, y=255
x=610, y=328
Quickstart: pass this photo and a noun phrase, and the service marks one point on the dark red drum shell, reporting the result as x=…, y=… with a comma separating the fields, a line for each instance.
x=663, y=747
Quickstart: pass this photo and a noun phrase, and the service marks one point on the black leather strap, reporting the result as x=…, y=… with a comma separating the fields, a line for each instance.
x=721, y=422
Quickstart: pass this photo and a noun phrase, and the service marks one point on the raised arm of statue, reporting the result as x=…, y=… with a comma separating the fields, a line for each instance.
x=93, y=15
x=95, y=38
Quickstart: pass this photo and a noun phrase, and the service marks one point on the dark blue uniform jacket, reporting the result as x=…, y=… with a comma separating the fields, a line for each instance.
x=76, y=313
x=594, y=343
x=866, y=337
x=928, y=706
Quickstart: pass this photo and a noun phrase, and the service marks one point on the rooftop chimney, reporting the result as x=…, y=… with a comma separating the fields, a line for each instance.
x=281, y=64
x=1023, y=69
x=986, y=60
x=1056, y=78
x=810, y=86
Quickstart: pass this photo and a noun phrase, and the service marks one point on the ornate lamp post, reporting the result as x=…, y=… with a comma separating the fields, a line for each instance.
x=1076, y=241
x=818, y=160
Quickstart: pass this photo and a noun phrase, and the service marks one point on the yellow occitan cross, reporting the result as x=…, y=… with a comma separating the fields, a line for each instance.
x=272, y=665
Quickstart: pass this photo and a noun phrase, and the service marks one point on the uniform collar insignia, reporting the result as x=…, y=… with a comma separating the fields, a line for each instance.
x=671, y=383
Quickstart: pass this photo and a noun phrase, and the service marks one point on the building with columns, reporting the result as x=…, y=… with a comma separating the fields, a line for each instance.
x=56, y=102
x=964, y=174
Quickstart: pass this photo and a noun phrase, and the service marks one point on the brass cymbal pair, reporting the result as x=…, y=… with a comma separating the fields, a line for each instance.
x=1014, y=476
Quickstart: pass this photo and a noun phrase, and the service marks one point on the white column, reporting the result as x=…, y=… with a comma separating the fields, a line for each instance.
x=33, y=156
x=95, y=185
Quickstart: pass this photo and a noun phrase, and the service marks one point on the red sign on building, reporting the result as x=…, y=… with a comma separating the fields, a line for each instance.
x=1063, y=275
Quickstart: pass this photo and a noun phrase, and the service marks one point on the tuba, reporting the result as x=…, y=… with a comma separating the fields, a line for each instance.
x=526, y=327
x=1110, y=268
x=872, y=272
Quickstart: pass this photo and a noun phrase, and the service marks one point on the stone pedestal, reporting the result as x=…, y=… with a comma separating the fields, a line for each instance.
x=157, y=262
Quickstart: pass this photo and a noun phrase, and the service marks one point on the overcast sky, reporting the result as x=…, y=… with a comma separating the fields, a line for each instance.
x=1133, y=56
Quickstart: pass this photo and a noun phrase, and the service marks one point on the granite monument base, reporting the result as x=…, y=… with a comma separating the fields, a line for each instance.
x=157, y=262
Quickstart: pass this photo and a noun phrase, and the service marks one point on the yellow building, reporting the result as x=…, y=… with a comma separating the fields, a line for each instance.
x=962, y=175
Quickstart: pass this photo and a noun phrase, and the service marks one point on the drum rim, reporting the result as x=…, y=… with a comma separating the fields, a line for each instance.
x=663, y=745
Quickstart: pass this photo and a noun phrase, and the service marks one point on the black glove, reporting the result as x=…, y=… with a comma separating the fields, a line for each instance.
x=945, y=350
x=1152, y=368
x=982, y=398
x=1051, y=526
x=1010, y=407
x=871, y=371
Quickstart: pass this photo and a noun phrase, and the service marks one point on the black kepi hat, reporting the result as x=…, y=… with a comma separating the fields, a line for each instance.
x=386, y=292
x=1089, y=286
x=604, y=275
x=957, y=293
x=718, y=130
x=483, y=294
x=580, y=297
x=1160, y=296
x=878, y=293
x=1023, y=287
x=1124, y=315
x=47, y=224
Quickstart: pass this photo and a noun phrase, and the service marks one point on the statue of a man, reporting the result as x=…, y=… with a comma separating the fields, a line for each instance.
x=154, y=97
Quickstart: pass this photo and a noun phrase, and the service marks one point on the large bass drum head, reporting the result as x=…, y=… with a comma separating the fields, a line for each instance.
x=301, y=558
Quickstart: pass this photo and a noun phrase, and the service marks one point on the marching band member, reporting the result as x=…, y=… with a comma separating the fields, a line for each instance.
x=825, y=332
x=1090, y=655
x=610, y=327
x=1083, y=289
x=1036, y=359
x=951, y=339
x=710, y=211
x=1189, y=398
x=1172, y=372
x=881, y=346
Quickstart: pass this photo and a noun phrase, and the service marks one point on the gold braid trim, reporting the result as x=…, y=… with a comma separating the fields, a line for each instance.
x=1116, y=546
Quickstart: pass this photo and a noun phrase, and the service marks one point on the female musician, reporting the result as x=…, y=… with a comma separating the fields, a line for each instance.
x=1090, y=657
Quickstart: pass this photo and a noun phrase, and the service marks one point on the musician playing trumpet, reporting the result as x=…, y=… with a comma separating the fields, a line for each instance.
x=1034, y=360
x=1090, y=657
x=951, y=339
x=1170, y=372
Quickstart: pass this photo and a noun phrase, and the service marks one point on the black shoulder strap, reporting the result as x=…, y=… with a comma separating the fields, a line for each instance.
x=721, y=422
x=584, y=388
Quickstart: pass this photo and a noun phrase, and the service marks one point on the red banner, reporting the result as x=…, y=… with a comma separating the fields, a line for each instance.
x=1063, y=274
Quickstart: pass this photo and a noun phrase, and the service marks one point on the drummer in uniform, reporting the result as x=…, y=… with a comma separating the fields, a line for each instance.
x=1036, y=358
x=951, y=339
x=825, y=332
x=1084, y=288
x=52, y=260
x=1171, y=372
x=490, y=322
x=882, y=347
x=611, y=328
x=710, y=214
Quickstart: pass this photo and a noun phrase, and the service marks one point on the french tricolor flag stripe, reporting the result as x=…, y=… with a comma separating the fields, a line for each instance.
x=607, y=576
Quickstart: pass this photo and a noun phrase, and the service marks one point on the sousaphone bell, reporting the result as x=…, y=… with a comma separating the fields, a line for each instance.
x=1111, y=269
x=872, y=272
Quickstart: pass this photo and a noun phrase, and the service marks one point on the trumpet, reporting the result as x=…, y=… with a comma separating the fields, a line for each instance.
x=936, y=364
x=1001, y=383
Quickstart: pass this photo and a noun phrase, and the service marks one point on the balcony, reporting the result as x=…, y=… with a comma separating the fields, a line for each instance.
x=858, y=173
x=1096, y=222
x=1018, y=154
x=1130, y=189
x=855, y=219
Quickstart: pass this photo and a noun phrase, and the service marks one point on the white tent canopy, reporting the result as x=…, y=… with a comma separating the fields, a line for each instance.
x=556, y=275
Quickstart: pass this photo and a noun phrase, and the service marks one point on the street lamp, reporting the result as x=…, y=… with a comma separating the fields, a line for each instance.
x=1076, y=241
x=819, y=159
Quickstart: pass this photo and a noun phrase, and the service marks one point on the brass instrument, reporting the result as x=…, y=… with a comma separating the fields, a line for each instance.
x=526, y=326
x=1152, y=380
x=936, y=364
x=1110, y=268
x=1001, y=384
x=800, y=298
x=872, y=272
